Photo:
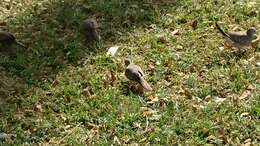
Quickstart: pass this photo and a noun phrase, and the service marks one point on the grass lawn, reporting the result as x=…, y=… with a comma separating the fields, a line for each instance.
x=63, y=91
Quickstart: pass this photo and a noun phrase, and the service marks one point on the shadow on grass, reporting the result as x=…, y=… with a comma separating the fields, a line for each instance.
x=52, y=31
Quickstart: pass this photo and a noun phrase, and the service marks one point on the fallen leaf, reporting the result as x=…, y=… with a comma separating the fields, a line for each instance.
x=87, y=92
x=196, y=107
x=39, y=107
x=251, y=87
x=221, y=48
x=218, y=99
x=211, y=138
x=148, y=111
x=54, y=83
x=109, y=78
x=142, y=140
x=194, y=24
x=113, y=77
x=247, y=144
x=49, y=93
x=245, y=94
x=175, y=32
x=116, y=140
x=245, y=115
x=151, y=67
x=258, y=64
x=247, y=140
x=179, y=47
x=112, y=50
x=162, y=40
x=153, y=99
x=207, y=98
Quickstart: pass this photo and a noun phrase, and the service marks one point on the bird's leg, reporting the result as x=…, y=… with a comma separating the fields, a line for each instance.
x=240, y=49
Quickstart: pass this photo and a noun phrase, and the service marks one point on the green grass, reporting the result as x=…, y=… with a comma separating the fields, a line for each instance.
x=60, y=91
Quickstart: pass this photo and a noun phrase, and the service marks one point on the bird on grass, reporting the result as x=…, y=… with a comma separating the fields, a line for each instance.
x=239, y=40
x=8, y=39
x=90, y=27
x=134, y=73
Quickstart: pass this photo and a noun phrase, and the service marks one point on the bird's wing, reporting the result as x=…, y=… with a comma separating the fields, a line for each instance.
x=138, y=68
x=239, y=38
x=145, y=84
x=132, y=73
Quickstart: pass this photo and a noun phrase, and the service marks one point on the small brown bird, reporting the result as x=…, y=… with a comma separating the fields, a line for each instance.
x=239, y=40
x=7, y=39
x=134, y=73
x=90, y=27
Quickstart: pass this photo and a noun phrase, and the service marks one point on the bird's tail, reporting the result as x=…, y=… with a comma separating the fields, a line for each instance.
x=145, y=84
x=20, y=44
x=221, y=31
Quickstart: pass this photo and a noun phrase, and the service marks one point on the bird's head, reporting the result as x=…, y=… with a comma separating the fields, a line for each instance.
x=127, y=61
x=90, y=24
x=251, y=32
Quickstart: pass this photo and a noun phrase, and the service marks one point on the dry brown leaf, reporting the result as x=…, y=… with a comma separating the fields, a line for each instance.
x=218, y=99
x=113, y=77
x=211, y=137
x=258, y=64
x=148, y=111
x=194, y=24
x=245, y=94
x=49, y=93
x=39, y=108
x=221, y=48
x=153, y=99
x=87, y=92
x=162, y=39
x=196, y=107
x=116, y=140
x=151, y=28
x=244, y=115
x=175, y=32
x=247, y=140
x=109, y=79
x=247, y=144
x=251, y=87
x=54, y=83
x=186, y=92
x=151, y=66
x=142, y=140
x=112, y=50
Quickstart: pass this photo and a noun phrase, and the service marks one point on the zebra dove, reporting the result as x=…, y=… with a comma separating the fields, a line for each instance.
x=239, y=40
x=90, y=29
x=134, y=73
x=7, y=39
